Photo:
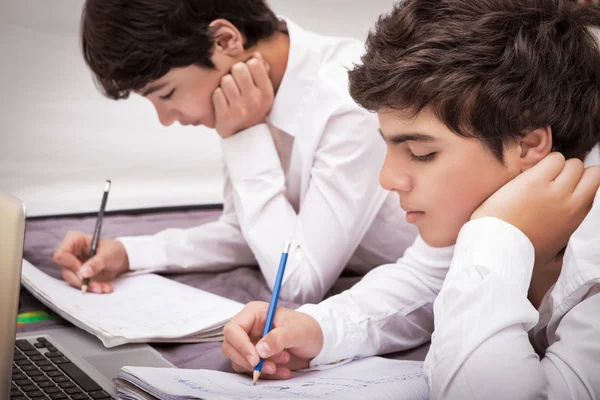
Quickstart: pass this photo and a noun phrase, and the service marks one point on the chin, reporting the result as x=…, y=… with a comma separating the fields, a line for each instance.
x=438, y=238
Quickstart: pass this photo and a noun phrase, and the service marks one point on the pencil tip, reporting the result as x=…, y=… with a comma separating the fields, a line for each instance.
x=107, y=186
x=255, y=376
x=84, y=289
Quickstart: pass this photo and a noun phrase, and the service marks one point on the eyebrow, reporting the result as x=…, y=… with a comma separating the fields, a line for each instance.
x=152, y=89
x=407, y=137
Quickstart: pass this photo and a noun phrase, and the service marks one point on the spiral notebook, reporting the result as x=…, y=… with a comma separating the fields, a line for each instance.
x=370, y=378
x=142, y=309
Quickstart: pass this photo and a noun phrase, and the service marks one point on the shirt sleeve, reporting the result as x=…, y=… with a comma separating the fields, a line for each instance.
x=340, y=203
x=481, y=347
x=390, y=309
x=214, y=246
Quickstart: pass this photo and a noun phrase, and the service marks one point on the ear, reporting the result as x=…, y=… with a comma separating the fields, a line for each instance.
x=534, y=146
x=227, y=39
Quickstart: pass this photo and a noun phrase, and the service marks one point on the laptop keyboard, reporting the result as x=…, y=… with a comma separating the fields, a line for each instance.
x=40, y=372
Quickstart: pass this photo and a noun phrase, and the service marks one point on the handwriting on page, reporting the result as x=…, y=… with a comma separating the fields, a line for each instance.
x=140, y=306
x=375, y=378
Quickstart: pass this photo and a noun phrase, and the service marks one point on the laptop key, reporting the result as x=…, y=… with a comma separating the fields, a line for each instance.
x=23, y=363
x=57, y=396
x=46, y=384
x=42, y=339
x=33, y=352
x=80, y=396
x=101, y=394
x=80, y=377
x=72, y=390
x=39, y=357
x=60, y=378
x=34, y=372
x=65, y=385
x=19, y=398
x=52, y=348
x=52, y=354
x=23, y=382
x=60, y=360
x=40, y=378
x=53, y=389
x=24, y=345
x=16, y=392
x=35, y=394
x=28, y=367
x=48, y=368
x=18, y=376
x=43, y=363
x=29, y=388
x=19, y=356
x=40, y=345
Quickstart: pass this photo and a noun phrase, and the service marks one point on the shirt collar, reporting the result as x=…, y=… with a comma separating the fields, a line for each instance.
x=297, y=83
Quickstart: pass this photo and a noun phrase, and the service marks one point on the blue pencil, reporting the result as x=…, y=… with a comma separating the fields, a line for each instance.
x=273, y=304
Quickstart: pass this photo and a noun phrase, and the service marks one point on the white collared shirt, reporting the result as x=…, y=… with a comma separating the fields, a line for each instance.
x=487, y=334
x=318, y=188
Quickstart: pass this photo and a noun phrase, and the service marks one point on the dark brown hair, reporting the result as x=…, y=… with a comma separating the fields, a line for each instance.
x=490, y=69
x=129, y=43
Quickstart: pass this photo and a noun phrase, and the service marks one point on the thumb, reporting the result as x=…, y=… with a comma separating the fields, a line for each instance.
x=277, y=340
x=91, y=267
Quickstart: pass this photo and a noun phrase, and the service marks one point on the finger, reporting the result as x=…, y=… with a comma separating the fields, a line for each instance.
x=220, y=104
x=247, y=364
x=237, y=337
x=280, y=373
x=71, y=278
x=260, y=58
x=230, y=89
x=91, y=267
x=260, y=75
x=569, y=177
x=106, y=287
x=548, y=168
x=587, y=188
x=65, y=254
x=277, y=340
x=243, y=78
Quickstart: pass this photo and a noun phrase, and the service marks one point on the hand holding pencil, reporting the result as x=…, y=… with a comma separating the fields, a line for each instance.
x=287, y=344
x=79, y=258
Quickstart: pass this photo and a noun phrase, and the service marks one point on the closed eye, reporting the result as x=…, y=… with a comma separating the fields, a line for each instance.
x=168, y=95
x=424, y=158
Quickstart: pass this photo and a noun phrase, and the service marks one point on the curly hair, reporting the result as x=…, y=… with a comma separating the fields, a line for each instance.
x=489, y=69
x=129, y=43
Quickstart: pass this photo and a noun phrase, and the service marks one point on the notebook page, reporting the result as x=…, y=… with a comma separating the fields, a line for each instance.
x=374, y=378
x=144, y=306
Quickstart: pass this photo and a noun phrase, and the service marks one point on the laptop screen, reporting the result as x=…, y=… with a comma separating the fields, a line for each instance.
x=12, y=238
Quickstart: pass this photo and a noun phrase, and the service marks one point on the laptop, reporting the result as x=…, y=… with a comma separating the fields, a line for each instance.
x=63, y=363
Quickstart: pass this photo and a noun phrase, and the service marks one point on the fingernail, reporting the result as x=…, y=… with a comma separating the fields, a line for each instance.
x=85, y=272
x=263, y=349
x=252, y=360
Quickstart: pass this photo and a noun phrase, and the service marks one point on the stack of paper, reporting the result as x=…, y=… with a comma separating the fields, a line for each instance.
x=142, y=308
x=369, y=378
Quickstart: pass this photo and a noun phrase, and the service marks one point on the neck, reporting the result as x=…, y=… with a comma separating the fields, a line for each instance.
x=275, y=50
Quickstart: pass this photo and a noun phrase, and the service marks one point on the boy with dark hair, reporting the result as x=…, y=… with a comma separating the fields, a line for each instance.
x=300, y=156
x=479, y=102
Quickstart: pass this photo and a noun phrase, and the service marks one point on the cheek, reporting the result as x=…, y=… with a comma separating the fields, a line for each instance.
x=458, y=193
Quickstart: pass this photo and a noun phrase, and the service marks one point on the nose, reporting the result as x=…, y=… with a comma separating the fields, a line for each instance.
x=166, y=117
x=394, y=176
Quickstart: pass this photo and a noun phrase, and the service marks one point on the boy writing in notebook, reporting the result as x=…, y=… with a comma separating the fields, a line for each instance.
x=477, y=100
x=300, y=157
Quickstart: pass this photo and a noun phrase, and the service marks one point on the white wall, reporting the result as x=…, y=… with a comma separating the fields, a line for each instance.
x=60, y=139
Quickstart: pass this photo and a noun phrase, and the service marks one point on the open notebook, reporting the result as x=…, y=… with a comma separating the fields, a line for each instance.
x=369, y=378
x=142, y=308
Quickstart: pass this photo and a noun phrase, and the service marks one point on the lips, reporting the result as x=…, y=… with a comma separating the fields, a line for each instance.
x=412, y=217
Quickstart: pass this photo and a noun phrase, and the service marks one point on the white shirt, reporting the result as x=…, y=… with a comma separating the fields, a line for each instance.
x=486, y=330
x=318, y=188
